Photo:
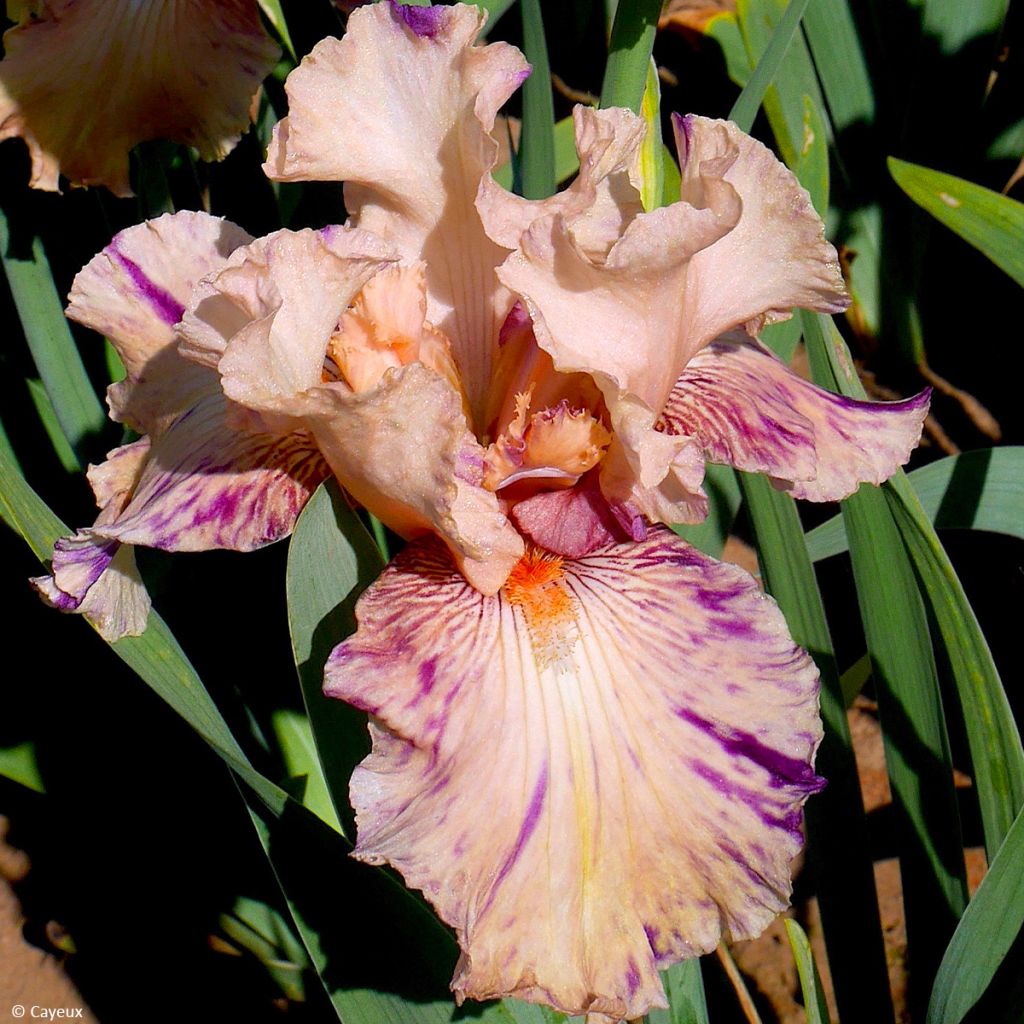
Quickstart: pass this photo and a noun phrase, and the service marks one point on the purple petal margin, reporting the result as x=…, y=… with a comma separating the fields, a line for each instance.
x=424, y=21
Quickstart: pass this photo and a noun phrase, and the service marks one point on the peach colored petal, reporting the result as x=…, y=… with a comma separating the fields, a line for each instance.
x=135, y=291
x=402, y=447
x=86, y=80
x=743, y=245
x=412, y=154
x=636, y=728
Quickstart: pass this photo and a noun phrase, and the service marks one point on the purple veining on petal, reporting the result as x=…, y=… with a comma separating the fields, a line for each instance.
x=521, y=76
x=684, y=135
x=792, y=771
x=533, y=812
x=632, y=977
x=166, y=305
x=628, y=516
x=424, y=21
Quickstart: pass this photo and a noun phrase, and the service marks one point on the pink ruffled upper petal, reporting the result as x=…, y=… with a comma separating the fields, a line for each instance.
x=412, y=154
x=747, y=409
x=83, y=81
x=636, y=728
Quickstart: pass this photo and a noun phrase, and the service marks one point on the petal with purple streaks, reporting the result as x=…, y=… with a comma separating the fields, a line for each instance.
x=135, y=291
x=747, y=409
x=636, y=728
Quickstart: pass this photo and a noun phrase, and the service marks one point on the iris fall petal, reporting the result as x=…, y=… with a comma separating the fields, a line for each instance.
x=751, y=411
x=636, y=728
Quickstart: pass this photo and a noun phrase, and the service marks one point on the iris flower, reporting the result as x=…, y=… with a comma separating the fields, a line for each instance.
x=591, y=743
x=83, y=81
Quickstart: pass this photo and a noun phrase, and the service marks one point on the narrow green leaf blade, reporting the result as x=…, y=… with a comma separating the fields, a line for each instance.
x=744, y=110
x=979, y=490
x=537, y=143
x=807, y=969
x=684, y=987
x=629, y=54
x=18, y=763
x=992, y=223
x=917, y=751
x=652, y=150
x=331, y=559
x=275, y=15
x=992, y=735
x=989, y=927
x=836, y=826
x=56, y=357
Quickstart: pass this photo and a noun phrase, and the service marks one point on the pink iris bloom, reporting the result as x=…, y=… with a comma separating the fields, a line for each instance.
x=591, y=743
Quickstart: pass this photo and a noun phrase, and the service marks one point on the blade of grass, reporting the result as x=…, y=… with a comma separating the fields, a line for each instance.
x=989, y=927
x=992, y=223
x=298, y=748
x=537, y=142
x=979, y=490
x=77, y=408
x=836, y=826
x=810, y=981
x=273, y=13
x=48, y=418
x=629, y=54
x=331, y=559
x=652, y=150
x=684, y=987
x=744, y=110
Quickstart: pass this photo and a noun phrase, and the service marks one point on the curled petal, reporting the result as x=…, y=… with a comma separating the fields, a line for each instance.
x=85, y=80
x=601, y=201
x=135, y=291
x=402, y=448
x=775, y=258
x=412, y=154
x=404, y=451
x=747, y=409
x=277, y=302
x=592, y=774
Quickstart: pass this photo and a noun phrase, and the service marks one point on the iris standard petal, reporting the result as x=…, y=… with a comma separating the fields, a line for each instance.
x=412, y=154
x=135, y=291
x=83, y=81
x=775, y=258
x=747, y=409
x=592, y=774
